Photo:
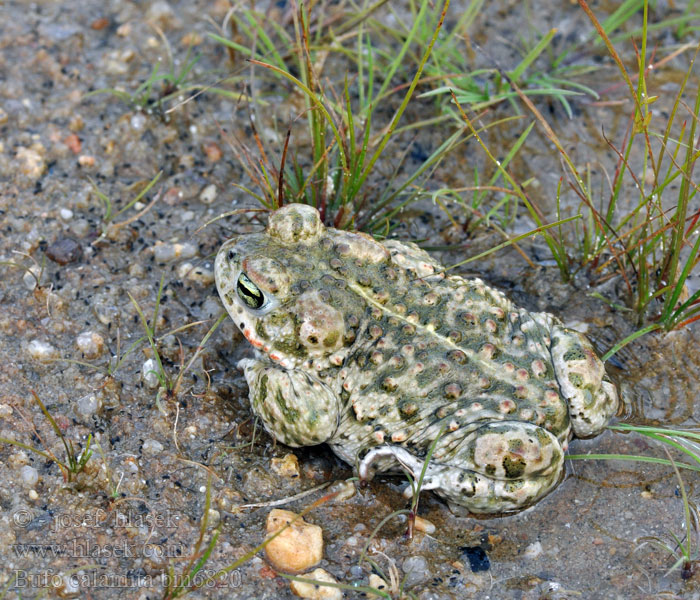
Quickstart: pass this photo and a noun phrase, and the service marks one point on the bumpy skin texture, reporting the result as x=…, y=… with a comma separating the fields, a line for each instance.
x=369, y=347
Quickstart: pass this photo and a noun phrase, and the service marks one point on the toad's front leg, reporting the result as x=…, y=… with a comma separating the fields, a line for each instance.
x=296, y=409
x=499, y=467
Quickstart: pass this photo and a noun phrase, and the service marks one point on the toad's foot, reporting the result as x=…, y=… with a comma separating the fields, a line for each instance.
x=501, y=467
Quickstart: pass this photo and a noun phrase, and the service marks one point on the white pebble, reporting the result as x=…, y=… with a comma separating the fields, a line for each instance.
x=186, y=250
x=148, y=373
x=151, y=446
x=66, y=214
x=39, y=350
x=416, y=569
x=138, y=121
x=315, y=591
x=31, y=276
x=164, y=252
x=87, y=406
x=80, y=227
x=91, y=344
x=533, y=550
x=29, y=475
x=208, y=194
x=200, y=275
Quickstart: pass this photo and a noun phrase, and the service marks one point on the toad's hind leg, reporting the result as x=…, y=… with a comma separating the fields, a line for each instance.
x=500, y=467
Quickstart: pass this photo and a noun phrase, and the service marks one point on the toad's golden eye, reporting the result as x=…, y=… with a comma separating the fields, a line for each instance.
x=249, y=292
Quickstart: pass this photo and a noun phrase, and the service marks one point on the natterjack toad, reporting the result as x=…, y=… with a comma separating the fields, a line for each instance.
x=368, y=347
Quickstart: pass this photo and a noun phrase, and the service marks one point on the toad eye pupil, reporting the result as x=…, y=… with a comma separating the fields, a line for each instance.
x=249, y=292
x=231, y=254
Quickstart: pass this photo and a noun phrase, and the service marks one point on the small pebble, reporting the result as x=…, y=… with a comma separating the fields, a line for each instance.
x=64, y=251
x=31, y=277
x=138, y=121
x=80, y=227
x=377, y=582
x=288, y=466
x=151, y=446
x=85, y=160
x=161, y=12
x=39, y=350
x=315, y=591
x=208, y=194
x=66, y=214
x=164, y=252
x=213, y=152
x=199, y=275
x=213, y=518
x=298, y=547
x=33, y=495
x=416, y=570
x=424, y=525
x=167, y=252
x=91, y=344
x=30, y=476
x=31, y=162
x=148, y=373
x=345, y=490
x=87, y=406
x=73, y=143
x=533, y=550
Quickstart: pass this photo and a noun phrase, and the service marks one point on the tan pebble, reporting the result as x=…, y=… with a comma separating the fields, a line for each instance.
x=212, y=152
x=298, y=547
x=424, y=525
x=317, y=591
x=85, y=160
x=99, y=24
x=124, y=30
x=73, y=142
x=31, y=162
x=287, y=466
x=208, y=194
x=91, y=344
x=376, y=582
x=191, y=39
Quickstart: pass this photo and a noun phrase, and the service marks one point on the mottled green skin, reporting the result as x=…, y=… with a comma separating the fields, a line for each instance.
x=369, y=347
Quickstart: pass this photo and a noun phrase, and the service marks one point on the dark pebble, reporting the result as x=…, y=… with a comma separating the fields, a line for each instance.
x=477, y=557
x=64, y=251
